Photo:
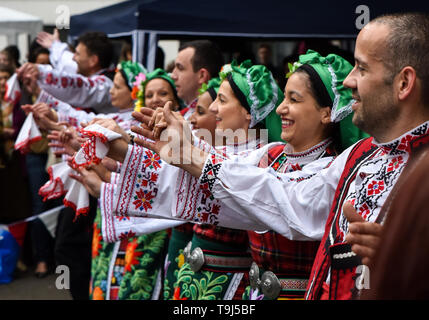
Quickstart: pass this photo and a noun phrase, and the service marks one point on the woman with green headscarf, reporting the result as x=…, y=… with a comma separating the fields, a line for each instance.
x=316, y=124
x=155, y=89
x=128, y=268
x=176, y=189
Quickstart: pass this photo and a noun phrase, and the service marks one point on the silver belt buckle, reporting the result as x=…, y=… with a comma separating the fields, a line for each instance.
x=269, y=284
x=194, y=258
x=254, y=276
x=187, y=251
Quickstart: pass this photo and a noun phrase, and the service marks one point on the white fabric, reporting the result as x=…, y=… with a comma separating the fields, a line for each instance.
x=77, y=90
x=96, y=147
x=61, y=58
x=13, y=89
x=13, y=22
x=28, y=134
x=77, y=198
x=148, y=187
x=60, y=184
x=296, y=210
x=114, y=228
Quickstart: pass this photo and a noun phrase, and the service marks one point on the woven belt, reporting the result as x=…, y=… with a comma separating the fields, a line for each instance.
x=271, y=285
x=218, y=261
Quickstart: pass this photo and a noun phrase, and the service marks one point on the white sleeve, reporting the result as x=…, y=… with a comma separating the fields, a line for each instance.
x=146, y=185
x=295, y=204
x=62, y=58
x=66, y=113
x=115, y=228
x=77, y=90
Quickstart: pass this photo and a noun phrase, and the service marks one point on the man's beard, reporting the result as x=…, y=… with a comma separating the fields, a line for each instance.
x=376, y=116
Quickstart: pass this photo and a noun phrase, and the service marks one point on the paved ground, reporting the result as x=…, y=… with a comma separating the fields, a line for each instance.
x=26, y=286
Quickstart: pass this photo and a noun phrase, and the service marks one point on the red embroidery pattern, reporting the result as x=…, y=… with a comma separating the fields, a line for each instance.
x=146, y=182
x=395, y=163
x=152, y=160
x=375, y=187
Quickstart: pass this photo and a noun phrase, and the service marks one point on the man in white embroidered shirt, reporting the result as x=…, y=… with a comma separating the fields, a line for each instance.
x=341, y=205
x=87, y=89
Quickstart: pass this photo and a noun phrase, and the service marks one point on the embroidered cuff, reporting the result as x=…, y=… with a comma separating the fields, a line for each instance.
x=210, y=170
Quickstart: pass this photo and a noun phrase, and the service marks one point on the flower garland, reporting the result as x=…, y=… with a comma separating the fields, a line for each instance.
x=138, y=91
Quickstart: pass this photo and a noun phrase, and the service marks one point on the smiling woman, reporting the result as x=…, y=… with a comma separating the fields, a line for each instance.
x=156, y=90
x=315, y=98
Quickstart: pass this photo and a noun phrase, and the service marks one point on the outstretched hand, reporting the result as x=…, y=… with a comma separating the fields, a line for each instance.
x=46, y=39
x=363, y=236
x=67, y=141
x=89, y=179
x=174, y=142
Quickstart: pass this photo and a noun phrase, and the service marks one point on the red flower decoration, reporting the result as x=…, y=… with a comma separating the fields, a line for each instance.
x=152, y=159
x=364, y=211
x=205, y=189
x=394, y=164
x=126, y=235
x=176, y=295
x=153, y=177
x=64, y=82
x=131, y=255
x=375, y=187
x=204, y=216
x=144, y=200
x=405, y=143
x=96, y=241
x=49, y=78
x=215, y=209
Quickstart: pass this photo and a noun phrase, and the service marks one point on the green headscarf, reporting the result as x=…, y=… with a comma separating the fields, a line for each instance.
x=333, y=70
x=212, y=87
x=159, y=74
x=258, y=92
x=130, y=70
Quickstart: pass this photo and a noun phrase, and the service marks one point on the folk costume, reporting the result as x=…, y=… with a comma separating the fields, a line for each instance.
x=302, y=205
x=127, y=267
x=287, y=263
x=219, y=256
x=189, y=197
x=77, y=90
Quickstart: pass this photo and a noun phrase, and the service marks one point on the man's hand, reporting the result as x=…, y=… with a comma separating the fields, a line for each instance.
x=363, y=236
x=174, y=145
x=29, y=74
x=102, y=172
x=66, y=139
x=90, y=180
x=111, y=125
x=45, y=117
x=110, y=164
x=47, y=39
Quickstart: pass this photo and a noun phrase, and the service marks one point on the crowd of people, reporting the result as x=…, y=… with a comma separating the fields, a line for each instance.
x=226, y=180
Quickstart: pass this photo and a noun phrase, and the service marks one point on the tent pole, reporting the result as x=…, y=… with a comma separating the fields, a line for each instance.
x=151, y=52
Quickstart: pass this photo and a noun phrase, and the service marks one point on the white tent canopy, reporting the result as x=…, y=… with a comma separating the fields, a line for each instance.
x=13, y=23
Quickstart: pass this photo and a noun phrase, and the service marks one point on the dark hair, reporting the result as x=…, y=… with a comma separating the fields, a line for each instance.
x=207, y=55
x=321, y=95
x=126, y=47
x=99, y=44
x=265, y=46
x=37, y=52
x=13, y=53
x=7, y=68
x=407, y=45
